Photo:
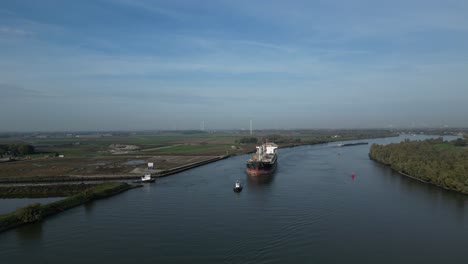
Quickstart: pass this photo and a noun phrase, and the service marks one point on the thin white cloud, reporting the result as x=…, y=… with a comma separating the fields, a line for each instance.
x=13, y=91
x=340, y=21
x=152, y=7
x=265, y=45
x=200, y=65
x=14, y=31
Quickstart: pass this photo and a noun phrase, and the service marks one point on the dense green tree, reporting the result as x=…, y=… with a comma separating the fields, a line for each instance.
x=434, y=160
x=247, y=140
x=460, y=142
x=30, y=213
x=16, y=149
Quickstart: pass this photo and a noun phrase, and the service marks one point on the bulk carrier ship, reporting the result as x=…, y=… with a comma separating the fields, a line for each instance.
x=263, y=161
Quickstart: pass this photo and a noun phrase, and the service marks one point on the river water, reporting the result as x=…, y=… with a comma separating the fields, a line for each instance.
x=310, y=211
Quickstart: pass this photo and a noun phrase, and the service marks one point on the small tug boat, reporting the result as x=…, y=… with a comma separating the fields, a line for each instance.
x=352, y=144
x=146, y=178
x=237, y=187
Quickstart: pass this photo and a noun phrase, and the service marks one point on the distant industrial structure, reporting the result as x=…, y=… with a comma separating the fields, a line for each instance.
x=202, y=126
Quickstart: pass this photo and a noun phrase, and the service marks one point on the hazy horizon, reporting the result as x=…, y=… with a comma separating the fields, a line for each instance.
x=242, y=130
x=164, y=65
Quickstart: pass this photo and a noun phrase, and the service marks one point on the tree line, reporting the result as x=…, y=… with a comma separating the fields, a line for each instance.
x=433, y=160
x=282, y=139
x=16, y=149
x=247, y=140
x=279, y=139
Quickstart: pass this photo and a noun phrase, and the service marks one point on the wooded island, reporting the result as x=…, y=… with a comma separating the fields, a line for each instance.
x=435, y=161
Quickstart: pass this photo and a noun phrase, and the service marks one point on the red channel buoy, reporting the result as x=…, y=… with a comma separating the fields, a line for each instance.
x=353, y=175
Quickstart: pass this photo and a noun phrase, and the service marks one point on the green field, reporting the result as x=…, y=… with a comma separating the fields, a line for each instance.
x=193, y=149
x=181, y=142
x=106, y=154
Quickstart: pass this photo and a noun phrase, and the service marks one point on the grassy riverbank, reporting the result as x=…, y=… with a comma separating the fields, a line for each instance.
x=104, y=156
x=433, y=161
x=43, y=191
x=37, y=212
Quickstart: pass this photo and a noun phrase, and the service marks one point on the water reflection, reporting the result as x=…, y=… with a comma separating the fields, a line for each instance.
x=147, y=187
x=435, y=197
x=89, y=207
x=260, y=179
x=30, y=231
x=460, y=204
x=306, y=212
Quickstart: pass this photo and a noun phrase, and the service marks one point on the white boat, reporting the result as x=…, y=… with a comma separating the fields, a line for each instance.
x=237, y=186
x=146, y=178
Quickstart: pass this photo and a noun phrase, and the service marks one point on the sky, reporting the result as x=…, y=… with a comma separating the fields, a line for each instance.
x=100, y=65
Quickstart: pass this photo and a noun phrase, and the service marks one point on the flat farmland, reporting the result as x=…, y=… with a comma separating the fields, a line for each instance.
x=107, y=155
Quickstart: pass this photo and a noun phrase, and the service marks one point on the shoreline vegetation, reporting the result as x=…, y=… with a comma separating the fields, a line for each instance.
x=37, y=212
x=43, y=191
x=175, y=154
x=90, y=157
x=108, y=156
x=434, y=161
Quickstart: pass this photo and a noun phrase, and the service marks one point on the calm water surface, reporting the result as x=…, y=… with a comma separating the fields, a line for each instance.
x=310, y=211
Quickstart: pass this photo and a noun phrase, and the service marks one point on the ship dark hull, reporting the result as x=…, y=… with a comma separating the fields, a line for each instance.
x=353, y=144
x=257, y=168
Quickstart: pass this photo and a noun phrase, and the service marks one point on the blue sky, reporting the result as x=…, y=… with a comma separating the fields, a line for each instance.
x=137, y=64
